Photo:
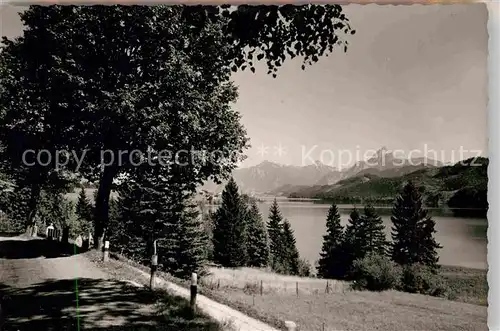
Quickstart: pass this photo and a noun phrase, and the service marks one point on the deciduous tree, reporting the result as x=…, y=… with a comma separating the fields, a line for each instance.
x=149, y=78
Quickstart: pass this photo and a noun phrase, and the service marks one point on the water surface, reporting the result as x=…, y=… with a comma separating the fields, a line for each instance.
x=463, y=239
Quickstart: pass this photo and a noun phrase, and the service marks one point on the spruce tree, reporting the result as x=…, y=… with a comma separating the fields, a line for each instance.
x=257, y=238
x=83, y=206
x=84, y=212
x=372, y=233
x=275, y=230
x=290, y=251
x=352, y=246
x=148, y=210
x=185, y=245
x=413, y=230
x=229, y=229
x=332, y=259
x=129, y=227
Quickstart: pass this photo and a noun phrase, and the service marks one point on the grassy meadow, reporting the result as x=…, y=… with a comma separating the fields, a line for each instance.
x=308, y=302
x=313, y=308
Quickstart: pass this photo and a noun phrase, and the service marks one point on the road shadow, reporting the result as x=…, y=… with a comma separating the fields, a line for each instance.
x=34, y=248
x=103, y=305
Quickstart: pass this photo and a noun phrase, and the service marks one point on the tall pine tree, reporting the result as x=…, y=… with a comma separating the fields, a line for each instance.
x=130, y=227
x=290, y=252
x=352, y=238
x=185, y=245
x=373, y=233
x=364, y=235
x=413, y=230
x=83, y=206
x=332, y=261
x=275, y=230
x=257, y=238
x=229, y=229
x=148, y=211
x=84, y=212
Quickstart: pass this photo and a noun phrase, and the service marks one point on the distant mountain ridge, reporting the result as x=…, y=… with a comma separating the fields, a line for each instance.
x=272, y=178
x=267, y=176
x=462, y=185
x=383, y=163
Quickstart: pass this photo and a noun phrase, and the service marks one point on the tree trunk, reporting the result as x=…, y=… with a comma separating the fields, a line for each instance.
x=32, y=205
x=102, y=206
x=65, y=235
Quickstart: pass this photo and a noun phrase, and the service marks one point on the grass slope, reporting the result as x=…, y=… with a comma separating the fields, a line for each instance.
x=314, y=308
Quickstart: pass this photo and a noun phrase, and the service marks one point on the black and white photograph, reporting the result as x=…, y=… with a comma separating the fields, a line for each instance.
x=244, y=167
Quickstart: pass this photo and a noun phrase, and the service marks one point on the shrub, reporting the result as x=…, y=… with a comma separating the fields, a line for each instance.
x=304, y=268
x=251, y=288
x=417, y=278
x=375, y=273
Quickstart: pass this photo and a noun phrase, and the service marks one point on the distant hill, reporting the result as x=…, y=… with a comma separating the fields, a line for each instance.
x=462, y=185
x=268, y=176
x=384, y=164
x=275, y=179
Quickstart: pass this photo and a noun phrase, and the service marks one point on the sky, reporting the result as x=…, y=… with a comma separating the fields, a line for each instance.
x=414, y=78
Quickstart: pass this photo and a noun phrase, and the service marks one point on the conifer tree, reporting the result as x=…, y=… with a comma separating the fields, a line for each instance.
x=364, y=235
x=257, y=238
x=83, y=206
x=373, y=233
x=332, y=260
x=184, y=246
x=84, y=212
x=275, y=230
x=147, y=210
x=130, y=227
x=413, y=230
x=229, y=229
x=353, y=244
x=290, y=251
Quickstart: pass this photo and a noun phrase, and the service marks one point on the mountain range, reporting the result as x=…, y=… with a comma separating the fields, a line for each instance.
x=276, y=179
x=463, y=186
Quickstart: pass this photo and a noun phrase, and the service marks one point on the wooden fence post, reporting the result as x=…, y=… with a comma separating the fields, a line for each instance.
x=297, y=288
x=105, y=256
x=154, y=266
x=327, y=289
x=290, y=326
x=194, y=290
x=261, y=288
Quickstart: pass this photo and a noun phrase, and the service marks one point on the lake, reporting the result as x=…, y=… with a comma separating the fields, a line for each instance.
x=464, y=240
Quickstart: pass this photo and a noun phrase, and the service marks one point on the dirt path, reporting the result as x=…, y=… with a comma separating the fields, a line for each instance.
x=43, y=287
x=219, y=312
